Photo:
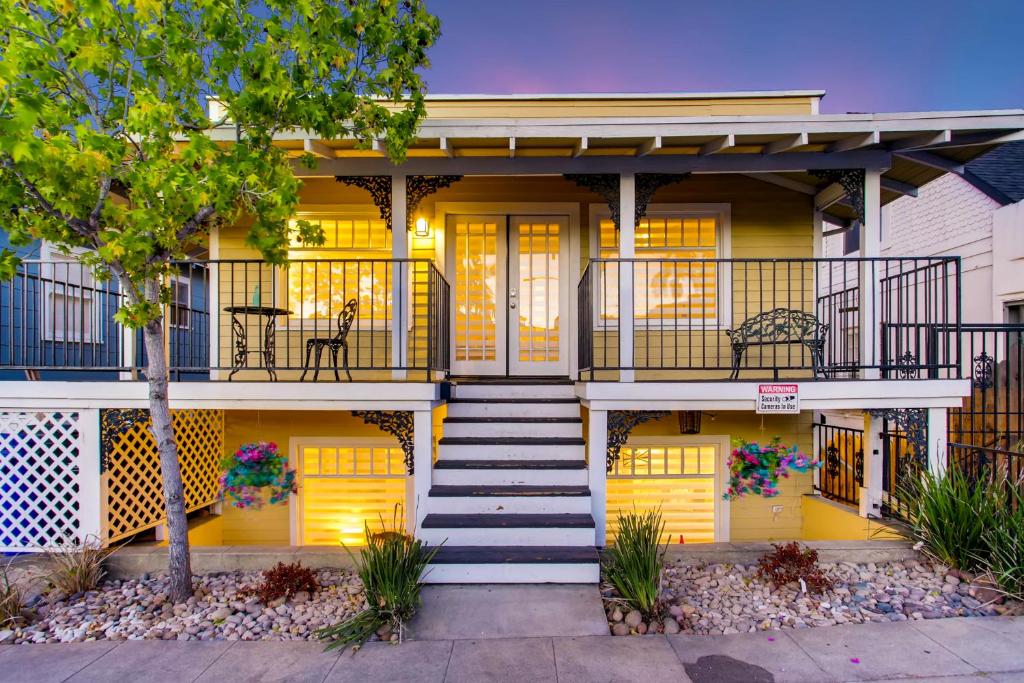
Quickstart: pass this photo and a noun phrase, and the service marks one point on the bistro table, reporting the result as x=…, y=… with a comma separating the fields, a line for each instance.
x=240, y=338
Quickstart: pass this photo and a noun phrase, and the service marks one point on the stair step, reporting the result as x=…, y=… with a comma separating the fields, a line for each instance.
x=515, y=420
x=500, y=554
x=511, y=441
x=513, y=409
x=502, y=399
x=507, y=491
x=510, y=521
x=511, y=428
x=510, y=573
x=510, y=465
x=517, y=391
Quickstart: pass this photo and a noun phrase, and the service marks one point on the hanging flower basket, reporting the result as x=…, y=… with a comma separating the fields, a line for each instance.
x=756, y=468
x=252, y=468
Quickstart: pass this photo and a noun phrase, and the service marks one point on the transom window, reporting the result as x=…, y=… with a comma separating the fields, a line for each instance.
x=352, y=263
x=675, y=284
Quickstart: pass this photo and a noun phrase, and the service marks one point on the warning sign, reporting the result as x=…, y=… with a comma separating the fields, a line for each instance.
x=778, y=398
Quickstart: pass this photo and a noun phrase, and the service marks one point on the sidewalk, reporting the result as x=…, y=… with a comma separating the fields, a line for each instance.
x=960, y=650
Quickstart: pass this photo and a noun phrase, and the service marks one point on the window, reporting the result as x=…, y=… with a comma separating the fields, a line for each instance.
x=675, y=285
x=72, y=303
x=851, y=239
x=181, y=303
x=678, y=478
x=350, y=264
x=346, y=484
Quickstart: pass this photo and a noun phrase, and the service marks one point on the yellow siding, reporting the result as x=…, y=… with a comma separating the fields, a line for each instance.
x=271, y=524
x=752, y=518
x=825, y=520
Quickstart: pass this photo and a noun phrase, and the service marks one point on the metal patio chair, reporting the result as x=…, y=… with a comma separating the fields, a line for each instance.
x=338, y=341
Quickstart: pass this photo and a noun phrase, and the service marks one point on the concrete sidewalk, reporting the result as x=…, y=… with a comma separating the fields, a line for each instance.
x=962, y=650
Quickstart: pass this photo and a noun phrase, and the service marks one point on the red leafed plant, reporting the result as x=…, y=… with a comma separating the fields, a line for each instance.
x=284, y=581
x=791, y=562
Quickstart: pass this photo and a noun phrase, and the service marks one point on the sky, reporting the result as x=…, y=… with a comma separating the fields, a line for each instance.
x=869, y=55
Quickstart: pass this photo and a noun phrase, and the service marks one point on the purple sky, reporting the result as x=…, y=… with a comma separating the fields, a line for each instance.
x=870, y=55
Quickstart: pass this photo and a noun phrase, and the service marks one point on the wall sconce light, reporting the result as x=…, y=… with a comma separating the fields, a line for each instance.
x=422, y=227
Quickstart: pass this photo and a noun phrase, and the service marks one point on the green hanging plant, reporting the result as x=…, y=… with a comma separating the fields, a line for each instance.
x=252, y=468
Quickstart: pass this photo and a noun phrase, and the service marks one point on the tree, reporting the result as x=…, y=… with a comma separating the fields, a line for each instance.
x=107, y=143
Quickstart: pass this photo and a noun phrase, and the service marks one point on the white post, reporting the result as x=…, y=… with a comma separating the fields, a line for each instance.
x=213, y=296
x=399, y=276
x=418, y=486
x=90, y=480
x=818, y=229
x=871, y=490
x=870, y=283
x=937, y=441
x=597, y=455
x=627, y=250
x=816, y=418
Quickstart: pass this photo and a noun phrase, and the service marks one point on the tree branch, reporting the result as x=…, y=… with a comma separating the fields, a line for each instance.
x=80, y=227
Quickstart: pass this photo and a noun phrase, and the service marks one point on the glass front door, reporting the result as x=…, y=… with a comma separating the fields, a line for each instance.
x=509, y=298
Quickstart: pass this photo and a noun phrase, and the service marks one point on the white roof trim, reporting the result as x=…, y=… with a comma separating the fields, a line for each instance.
x=730, y=94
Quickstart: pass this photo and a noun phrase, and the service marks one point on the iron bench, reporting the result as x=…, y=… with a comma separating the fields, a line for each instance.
x=779, y=326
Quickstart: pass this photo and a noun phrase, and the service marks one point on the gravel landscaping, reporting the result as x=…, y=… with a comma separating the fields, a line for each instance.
x=220, y=609
x=727, y=598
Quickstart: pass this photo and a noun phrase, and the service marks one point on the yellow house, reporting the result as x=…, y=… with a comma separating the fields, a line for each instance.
x=560, y=307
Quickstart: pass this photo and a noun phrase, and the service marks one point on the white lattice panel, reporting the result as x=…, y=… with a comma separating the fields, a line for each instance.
x=40, y=468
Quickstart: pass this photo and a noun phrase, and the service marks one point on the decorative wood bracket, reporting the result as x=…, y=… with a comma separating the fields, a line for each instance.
x=398, y=423
x=852, y=182
x=114, y=422
x=418, y=187
x=621, y=424
x=379, y=187
x=604, y=184
x=649, y=183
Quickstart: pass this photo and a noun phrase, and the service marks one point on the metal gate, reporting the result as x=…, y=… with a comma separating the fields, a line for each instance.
x=993, y=415
x=841, y=450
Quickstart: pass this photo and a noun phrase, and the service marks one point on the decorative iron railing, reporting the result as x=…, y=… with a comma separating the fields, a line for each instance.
x=761, y=318
x=841, y=452
x=993, y=465
x=236, y=319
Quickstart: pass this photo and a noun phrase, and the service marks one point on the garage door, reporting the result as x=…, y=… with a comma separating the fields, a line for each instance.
x=680, y=479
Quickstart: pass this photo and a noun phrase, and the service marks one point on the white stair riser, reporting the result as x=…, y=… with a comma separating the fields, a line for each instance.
x=513, y=410
x=498, y=429
x=529, y=536
x=496, y=477
x=448, y=451
x=515, y=391
x=512, y=573
x=474, y=505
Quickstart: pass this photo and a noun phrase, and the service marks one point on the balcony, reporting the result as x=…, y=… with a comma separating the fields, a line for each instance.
x=655, y=319
x=752, y=319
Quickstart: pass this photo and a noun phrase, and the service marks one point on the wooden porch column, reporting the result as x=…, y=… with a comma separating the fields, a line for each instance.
x=400, y=277
x=869, y=272
x=937, y=426
x=417, y=486
x=874, y=464
x=597, y=457
x=627, y=250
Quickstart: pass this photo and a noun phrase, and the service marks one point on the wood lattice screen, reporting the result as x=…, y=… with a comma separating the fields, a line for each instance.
x=134, y=494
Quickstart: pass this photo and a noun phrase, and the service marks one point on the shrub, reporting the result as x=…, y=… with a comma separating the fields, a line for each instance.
x=634, y=563
x=75, y=567
x=790, y=563
x=1004, y=549
x=390, y=567
x=12, y=600
x=948, y=516
x=284, y=581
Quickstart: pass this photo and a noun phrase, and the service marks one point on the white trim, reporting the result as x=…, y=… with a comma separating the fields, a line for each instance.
x=721, y=441
x=722, y=94
x=295, y=443
x=571, y=209
x=723, y=248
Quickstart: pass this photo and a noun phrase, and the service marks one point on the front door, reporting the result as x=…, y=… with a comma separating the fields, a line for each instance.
x=509, y=298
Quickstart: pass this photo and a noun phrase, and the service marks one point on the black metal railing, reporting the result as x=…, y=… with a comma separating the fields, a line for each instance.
x=757, y=318
x=991, y=465
x=236, y=319
x=841, y=452
x=901, y=462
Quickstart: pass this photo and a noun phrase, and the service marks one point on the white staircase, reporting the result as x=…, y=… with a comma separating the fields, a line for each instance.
x=509, y=497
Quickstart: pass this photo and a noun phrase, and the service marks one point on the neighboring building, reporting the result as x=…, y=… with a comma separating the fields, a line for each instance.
x=560, y=306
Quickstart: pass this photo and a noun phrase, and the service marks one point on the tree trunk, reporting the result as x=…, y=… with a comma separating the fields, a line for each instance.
x=179, y=561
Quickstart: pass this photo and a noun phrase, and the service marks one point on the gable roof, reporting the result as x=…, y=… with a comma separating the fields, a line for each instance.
x=999, y=173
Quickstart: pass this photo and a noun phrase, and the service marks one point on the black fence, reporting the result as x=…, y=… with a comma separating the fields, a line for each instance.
x=992, y=465
x=235, y=319
x=761, y=318
x=901, y=462
x=841, y=452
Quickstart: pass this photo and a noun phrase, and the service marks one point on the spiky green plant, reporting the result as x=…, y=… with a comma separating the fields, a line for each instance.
x=949, y=514
x=74, y=567
x=633, y=564
x=391, y=567
x=12, y=599
x=1004, y=548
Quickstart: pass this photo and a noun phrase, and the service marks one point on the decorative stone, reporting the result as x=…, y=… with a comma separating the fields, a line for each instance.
x=634, y=619
x=620, y=629
x=670, y=626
